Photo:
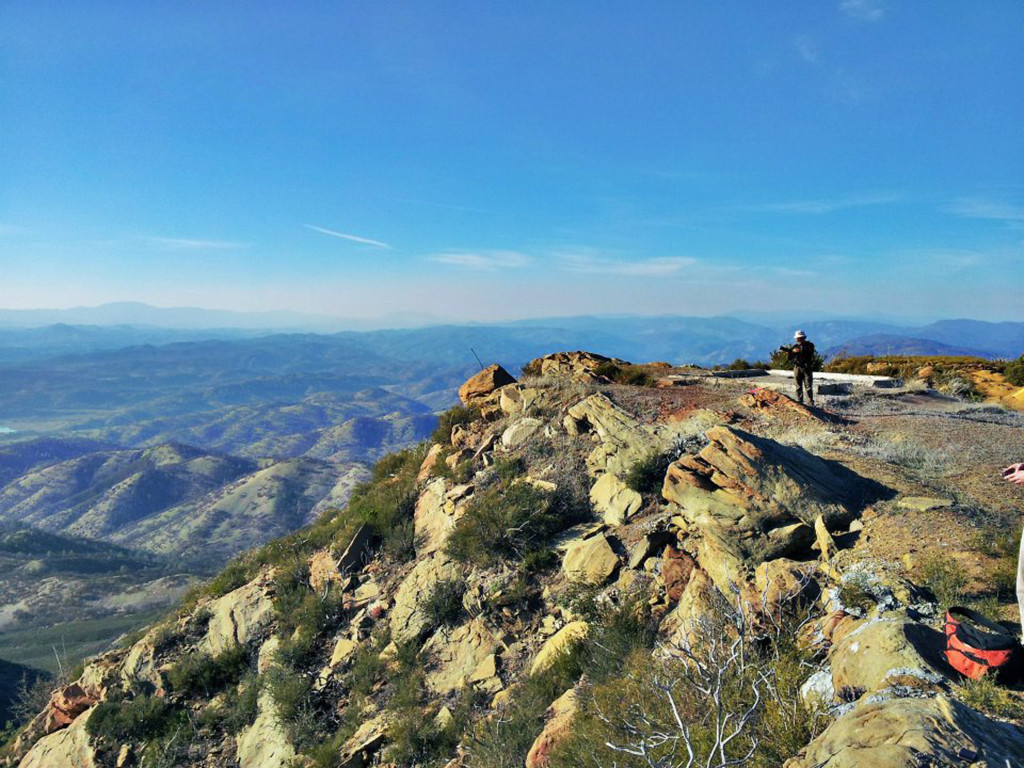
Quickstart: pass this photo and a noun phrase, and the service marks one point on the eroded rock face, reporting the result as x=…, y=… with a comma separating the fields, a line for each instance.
x=239, y=616
x=909, y=733
x=359, y=751
x=323, y=571
x=482, y=385
x=772, y=403
x=699, y=602
x=760, y=496
x=264, y=744
x=408, y=621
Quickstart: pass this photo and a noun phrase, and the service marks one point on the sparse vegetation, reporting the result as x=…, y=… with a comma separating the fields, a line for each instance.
x=459, y=414
x=993, y=698
x=1013, y=372
x=647, y=475
x=630, y=375
x=200, y=674
x=945, y=577
x=443, y=604
x=510, y=521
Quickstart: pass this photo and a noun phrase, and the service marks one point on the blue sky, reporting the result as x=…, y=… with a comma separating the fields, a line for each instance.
x=484, y=160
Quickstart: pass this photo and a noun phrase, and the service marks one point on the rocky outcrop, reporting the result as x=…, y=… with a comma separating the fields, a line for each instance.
x=882, y=652
x=578, y=365
x=359, y=751
x=771, y=403
x=66, y=748
x=520, y=432
x=483, y=384
x=755, y=499
x=239, y=616
x=323, y=571
x=622, y=440
x=408, y=619
x=907, y=733
x=463, y=656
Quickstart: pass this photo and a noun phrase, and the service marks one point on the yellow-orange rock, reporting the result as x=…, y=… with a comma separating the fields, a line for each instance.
x=491, y=378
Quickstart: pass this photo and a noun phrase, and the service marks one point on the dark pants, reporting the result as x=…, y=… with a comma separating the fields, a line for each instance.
x=804, y=381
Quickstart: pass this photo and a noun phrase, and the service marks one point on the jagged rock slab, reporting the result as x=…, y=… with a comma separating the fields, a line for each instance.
x=760, y=496
x=482, y=385
x=463, y=655
x=622, y=440
x=408, y=620
x=558, y=644
x=240, y=615
x=908, y=733
x=590, y=561
x=67, y=748
x=578, y=365
x=613, y=500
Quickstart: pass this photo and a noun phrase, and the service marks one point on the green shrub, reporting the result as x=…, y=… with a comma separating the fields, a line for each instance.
x=945, y=577
x=1013, y=372
x=236, y=709
x=447, y=421
x=509, y=522
x=780, y=360
x=508, y=468
x=647, y=475
x=988, y=696
x=118, y=721
x=388, y=510
x=443, y=603
x=739, y=364
x=200, y=674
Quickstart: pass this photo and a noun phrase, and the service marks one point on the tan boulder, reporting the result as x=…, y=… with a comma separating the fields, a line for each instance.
x=462, y=656
x=430, y=461
x=826, y=544
x=613, y=500
x=323, y=572
x=908, y=733
x=484, y=383
x=590, y=561
x=559, y=720
x=558, y=644
x=885, y=651
x=433, y=519
x=759, y=494
x=408, y=620
x=520, y=432
x=516, y=399
x=240, y=615
x=67, y=748
x=783, y=583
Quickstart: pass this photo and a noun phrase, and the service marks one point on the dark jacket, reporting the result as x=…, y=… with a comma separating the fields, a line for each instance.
x=801, y=355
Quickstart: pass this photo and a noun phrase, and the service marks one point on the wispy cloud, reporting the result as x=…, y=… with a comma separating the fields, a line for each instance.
x=190, y=244
x=863, y=10
x=977, y=208
x=590, y=263
x=346, y=236
x=483, y=260
x=826, y=205
x=807, y=49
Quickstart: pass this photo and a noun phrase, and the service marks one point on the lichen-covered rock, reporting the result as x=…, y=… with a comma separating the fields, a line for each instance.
x=590, y=561
x=613, y=500
x=558, y=644
x=408, y=620
x=484, y=383
x=240, y=615
x=758, y=494
x=433, y=520
x=67, y=748
x=908, y=733
x=885, y=651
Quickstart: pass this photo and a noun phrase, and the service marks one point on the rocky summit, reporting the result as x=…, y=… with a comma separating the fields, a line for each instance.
x=580, y=572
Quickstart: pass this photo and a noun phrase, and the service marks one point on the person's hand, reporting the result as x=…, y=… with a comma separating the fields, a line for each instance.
x=1014, y=473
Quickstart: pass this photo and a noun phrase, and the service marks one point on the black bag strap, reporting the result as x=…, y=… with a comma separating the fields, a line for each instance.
x=972, y=631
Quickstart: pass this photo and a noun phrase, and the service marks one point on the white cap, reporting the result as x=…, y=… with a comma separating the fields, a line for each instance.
x=799, y=335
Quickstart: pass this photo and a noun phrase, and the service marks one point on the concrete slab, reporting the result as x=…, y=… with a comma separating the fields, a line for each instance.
x=881, y=382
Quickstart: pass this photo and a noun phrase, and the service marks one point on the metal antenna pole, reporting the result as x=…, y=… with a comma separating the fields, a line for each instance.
x=477, y=358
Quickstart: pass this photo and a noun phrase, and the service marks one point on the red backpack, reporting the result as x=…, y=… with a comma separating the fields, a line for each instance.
x=975, y=645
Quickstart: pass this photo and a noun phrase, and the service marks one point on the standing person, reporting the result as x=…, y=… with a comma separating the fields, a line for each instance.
x=801, y=354
x=1015, y=474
